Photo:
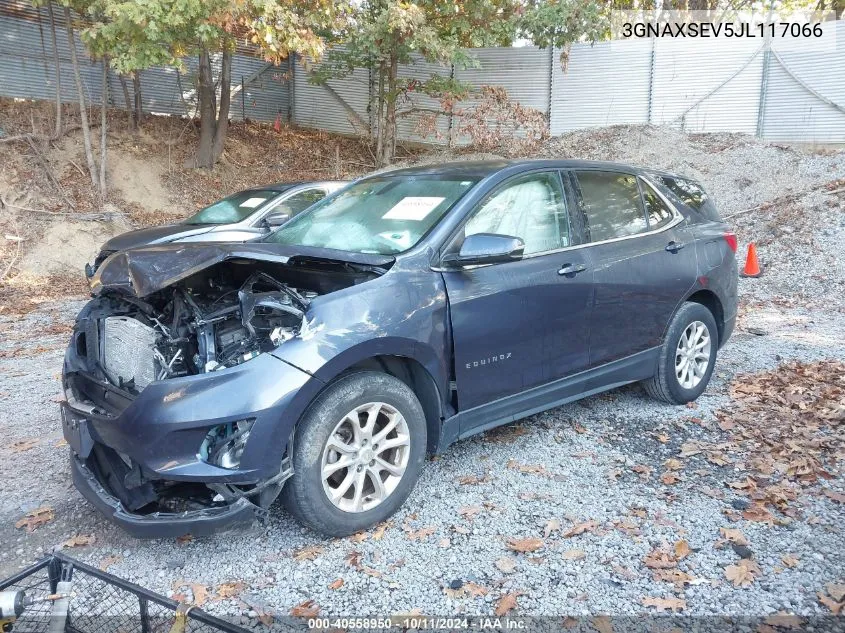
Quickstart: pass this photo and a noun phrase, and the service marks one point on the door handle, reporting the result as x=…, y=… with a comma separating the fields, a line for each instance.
x=674, y=247
x=570, y=270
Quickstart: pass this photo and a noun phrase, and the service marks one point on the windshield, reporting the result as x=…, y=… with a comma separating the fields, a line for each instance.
x=384, y=215
x=234, y=208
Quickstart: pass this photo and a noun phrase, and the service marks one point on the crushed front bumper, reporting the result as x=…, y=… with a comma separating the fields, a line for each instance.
x=160, y=524
x=154, y=440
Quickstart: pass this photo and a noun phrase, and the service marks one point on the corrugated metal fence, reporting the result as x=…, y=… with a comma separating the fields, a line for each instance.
x=792, y=94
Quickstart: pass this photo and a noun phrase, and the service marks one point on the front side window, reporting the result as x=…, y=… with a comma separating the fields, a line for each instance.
x=384, y=215
x=299, y=201
x=233, y=209
x=612, y=205
x=529, y=207
x=658, y=212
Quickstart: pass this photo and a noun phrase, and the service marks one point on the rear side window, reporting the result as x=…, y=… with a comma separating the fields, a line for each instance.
x=692, y=195
x=612, y=204
x=658, y=212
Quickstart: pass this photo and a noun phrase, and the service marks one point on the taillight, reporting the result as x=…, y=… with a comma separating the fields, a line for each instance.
x=730, y=238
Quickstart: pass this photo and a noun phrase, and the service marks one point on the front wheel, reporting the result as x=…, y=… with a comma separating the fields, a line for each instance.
x=687, y=356
x=357, y=454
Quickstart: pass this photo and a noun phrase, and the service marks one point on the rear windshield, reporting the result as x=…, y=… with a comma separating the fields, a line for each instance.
x=692, y=195
x=234, y=208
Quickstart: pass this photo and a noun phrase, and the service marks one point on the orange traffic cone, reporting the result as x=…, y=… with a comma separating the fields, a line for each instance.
x=752, y=266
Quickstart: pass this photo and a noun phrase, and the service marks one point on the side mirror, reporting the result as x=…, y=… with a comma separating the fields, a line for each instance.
x=486, y=248
x=276, y=218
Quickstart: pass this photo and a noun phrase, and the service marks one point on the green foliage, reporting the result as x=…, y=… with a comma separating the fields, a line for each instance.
x=138, y=34
x=562, y=22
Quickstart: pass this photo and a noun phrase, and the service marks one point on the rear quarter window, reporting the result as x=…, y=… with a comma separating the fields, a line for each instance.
x=691, y=194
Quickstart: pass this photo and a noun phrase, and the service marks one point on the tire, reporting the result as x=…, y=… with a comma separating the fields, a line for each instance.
x=665, y=384
x=380, y=397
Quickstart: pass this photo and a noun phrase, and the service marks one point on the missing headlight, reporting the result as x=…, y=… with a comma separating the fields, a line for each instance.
x=225, y=443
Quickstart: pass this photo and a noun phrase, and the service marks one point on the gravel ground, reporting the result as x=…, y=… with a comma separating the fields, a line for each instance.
x=446, y=551
x=578, y=462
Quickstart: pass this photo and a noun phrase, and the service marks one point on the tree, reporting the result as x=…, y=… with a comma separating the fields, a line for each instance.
x=386, y=33
x=137, y=35
x=383, y=34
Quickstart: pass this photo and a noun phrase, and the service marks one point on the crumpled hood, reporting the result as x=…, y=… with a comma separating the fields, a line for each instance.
x=154, y=235
x=143, y=271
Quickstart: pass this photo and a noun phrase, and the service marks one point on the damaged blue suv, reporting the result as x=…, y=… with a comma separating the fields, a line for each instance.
x=406, y=311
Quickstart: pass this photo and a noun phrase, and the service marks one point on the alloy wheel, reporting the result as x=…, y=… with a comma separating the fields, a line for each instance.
x=365, y=457
x=692, y=357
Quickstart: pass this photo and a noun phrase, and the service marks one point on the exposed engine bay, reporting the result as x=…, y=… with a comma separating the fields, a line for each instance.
x=220, y=317
x=217, y=318
x=196, y=330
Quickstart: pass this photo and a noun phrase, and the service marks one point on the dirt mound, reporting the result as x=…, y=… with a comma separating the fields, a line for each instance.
x=738, y=170
x=139, y=181
x=66, y=245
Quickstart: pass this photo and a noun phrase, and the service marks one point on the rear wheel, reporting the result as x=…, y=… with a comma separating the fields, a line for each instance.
x=357, y=454
x=687, y=356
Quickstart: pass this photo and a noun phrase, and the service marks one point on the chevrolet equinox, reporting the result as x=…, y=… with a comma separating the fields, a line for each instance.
x=404, y=312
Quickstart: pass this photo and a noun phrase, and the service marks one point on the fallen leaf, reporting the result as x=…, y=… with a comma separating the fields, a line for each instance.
x=743, y=573
x=657, y=559
x=422, y=534
x=353, y=559
x=24, y=445
x=580, y=528
x=733, y=535
x=834, y=606
x=665, y=604
x=36, y=518
x=569, y=622
x=229, y=590
x=444, y=543
x=758, y=513
x=381, y=528
x=837, y=592
x=507, y=603
x=474, y=480
x=669, y=478
x=682, y=550
x=358, y=537
x=783, y=620
x=185, y=538
x=506, y=564
x=524, y=545
x=80, y=540
x=790, y=561
x=200, y=594
x=307, y=609
x=469, y=512
x=602, y=624
x=573, y=554
x=663, y=438
x=336, y=584
x=310, y=552
x=108, y=561
x=673, y=464
x=553, y=525
x=838, y=497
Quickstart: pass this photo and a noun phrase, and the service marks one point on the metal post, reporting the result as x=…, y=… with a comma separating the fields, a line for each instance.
x=764, y=79
x=291, y=85
x=651, y=79
x=551, y=86
x=243, y=99
x=449, y=141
